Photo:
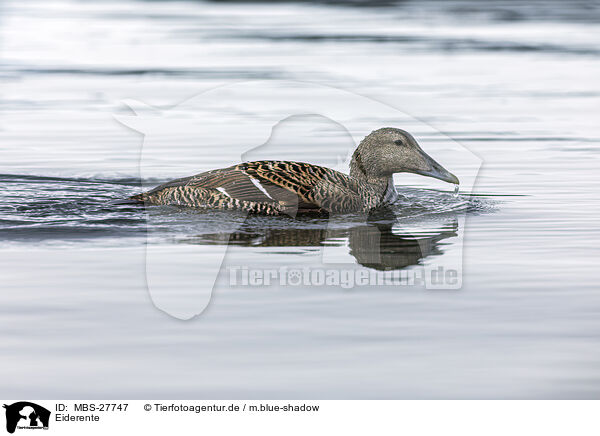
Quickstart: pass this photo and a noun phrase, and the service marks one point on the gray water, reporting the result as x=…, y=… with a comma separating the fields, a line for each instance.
x=515, y=84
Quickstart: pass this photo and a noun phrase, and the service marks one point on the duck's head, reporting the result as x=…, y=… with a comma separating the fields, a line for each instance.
x=387, y=151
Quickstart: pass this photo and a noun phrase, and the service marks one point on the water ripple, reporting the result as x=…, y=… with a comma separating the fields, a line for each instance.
x=40, y=208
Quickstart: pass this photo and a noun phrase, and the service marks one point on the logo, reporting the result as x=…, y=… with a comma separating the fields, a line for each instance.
x=26, y=415
x=270, y=118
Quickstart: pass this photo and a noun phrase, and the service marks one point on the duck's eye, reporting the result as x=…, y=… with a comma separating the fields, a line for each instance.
x=399, y=142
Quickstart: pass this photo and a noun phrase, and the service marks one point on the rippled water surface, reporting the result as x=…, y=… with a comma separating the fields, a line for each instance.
x=511, y=85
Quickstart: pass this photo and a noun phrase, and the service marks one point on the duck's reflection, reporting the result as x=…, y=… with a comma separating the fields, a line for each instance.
x=379, y=242
x=380, y=247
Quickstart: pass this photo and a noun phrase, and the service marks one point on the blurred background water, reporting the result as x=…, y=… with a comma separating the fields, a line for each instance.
x=514, y=82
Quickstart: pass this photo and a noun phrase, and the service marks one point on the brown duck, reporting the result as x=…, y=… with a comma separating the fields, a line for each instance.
x=282, y=187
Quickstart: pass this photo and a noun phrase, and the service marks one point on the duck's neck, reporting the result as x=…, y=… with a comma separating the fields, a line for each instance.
x=383, y=186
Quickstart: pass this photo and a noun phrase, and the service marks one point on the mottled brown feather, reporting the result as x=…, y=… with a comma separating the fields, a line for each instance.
x=290, y=187
x=275, y=187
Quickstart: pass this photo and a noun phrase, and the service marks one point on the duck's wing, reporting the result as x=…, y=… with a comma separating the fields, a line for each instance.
x=312, y=186
x=286, y=186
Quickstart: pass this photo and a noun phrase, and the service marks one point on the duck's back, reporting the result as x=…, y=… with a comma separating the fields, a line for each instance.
x=271, y=187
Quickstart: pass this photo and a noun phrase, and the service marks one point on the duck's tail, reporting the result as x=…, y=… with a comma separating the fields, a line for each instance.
x=139, y=198
x=134, y=199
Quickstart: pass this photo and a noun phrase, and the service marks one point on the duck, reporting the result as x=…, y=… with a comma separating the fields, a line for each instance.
x=273, y=187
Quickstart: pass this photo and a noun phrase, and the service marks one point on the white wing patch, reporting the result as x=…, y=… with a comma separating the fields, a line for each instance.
x=259, y=186
x=222, y=190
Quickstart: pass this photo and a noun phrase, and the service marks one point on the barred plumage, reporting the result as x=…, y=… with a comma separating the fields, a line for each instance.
x=282, y=187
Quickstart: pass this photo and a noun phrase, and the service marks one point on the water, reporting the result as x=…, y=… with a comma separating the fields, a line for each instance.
x=514, y=83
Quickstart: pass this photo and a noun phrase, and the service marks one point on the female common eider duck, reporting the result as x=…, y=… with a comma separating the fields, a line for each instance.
x=281, y=187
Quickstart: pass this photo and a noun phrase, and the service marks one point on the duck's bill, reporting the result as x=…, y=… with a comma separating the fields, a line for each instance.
x=433, y=169
x=441, y=174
